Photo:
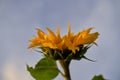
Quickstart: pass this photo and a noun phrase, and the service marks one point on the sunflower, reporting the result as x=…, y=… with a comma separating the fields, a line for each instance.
x=70, y=41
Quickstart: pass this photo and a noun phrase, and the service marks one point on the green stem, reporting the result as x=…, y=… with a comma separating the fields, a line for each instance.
x=65, y=66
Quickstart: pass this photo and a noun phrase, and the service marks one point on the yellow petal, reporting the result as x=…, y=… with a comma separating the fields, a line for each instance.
x=49, y=44
x=69, y=29
x=69, y=44
x=58, y=35
x=51, y=36
x=90, y=38
x=58, y=31
x=34, y=42
x=41, y=34
x=85, y=32
x=70, y=34
x=85, y=37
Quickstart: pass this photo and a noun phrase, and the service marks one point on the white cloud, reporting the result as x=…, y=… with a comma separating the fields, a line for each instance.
x=12, y=72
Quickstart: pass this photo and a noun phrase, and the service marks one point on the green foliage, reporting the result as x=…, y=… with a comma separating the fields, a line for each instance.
x=45, y=69
x=99, y=77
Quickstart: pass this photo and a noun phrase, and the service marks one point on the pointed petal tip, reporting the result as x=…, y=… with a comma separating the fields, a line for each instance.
x=38, y=29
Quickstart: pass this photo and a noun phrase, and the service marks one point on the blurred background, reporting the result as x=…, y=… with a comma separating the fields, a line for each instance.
x=20, y=18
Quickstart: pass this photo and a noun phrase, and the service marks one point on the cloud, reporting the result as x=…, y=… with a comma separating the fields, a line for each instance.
x=11, y=71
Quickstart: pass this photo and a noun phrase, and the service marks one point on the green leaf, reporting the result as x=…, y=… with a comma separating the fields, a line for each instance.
x=99, y=77
x=45, y=69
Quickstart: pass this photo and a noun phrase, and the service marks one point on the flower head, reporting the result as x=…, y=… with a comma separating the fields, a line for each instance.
x=69, y=46
x=70, y=41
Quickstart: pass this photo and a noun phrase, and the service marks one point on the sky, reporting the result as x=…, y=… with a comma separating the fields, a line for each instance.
x=20, y=18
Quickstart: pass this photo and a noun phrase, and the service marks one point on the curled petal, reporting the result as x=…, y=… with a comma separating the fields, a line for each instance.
x=90, y=38
x=84, y=33
x=85, y=37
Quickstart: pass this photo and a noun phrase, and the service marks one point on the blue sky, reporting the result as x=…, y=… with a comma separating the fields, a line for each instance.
x=19, y=18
